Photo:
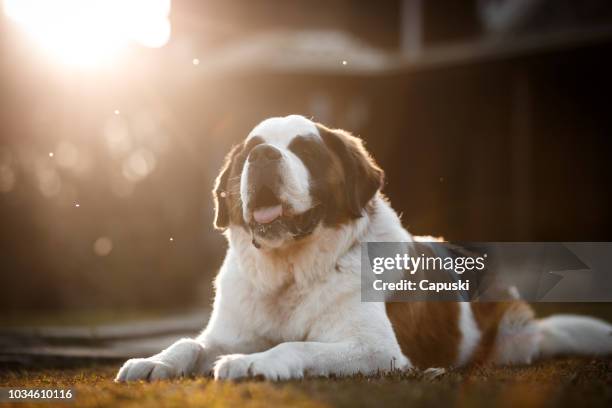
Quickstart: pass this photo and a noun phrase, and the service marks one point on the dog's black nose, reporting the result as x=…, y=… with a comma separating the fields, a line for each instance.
x=264, y=154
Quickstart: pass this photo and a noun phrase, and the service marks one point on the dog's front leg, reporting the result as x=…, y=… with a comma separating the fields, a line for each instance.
x=297, y=359
x=184, y=358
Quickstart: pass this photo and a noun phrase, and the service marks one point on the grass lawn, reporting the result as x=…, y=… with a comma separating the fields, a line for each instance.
x=568, y=382
x=560, y=382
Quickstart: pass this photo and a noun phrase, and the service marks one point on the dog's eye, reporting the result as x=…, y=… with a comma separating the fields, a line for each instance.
x=304, y=147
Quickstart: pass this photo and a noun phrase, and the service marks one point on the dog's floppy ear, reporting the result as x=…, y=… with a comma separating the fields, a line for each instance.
x=362, y=176
x=221, y=191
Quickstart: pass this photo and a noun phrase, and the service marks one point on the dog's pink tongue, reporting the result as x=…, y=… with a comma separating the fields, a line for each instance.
x=267, y=214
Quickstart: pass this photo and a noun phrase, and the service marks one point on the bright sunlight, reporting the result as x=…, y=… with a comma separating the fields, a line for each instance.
x=91, y=32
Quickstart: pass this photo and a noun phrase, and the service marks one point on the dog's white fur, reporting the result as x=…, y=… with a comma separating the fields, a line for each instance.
x=315, y=324
x=470, y=333
x=295, y=177
x=301, y=314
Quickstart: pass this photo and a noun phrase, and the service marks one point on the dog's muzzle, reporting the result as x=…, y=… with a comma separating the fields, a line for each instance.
x=271, y=218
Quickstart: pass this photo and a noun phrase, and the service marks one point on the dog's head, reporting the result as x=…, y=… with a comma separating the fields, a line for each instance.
x=291, y=175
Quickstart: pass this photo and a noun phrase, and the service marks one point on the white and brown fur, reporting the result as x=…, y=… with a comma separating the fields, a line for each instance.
x=288, y=305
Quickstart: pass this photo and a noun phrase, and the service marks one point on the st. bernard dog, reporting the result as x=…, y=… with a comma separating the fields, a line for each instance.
x=295, y=200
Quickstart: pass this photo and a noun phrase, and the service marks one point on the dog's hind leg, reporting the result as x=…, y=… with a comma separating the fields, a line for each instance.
x=518, y=336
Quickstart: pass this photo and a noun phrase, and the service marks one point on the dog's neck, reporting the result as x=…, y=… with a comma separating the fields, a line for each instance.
x=304, y=262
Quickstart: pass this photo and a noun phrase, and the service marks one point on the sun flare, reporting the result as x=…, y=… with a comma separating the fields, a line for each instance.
x=91, y=32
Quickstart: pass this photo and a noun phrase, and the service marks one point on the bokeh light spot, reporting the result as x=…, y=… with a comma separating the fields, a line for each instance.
x=67, y=154
x=103, y=246
x=49, y=181
x=7, y=179
x=117, y=137
x=139, y=164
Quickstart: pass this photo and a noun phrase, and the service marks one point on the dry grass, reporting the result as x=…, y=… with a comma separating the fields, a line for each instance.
x=567, y=382
x=562, y=382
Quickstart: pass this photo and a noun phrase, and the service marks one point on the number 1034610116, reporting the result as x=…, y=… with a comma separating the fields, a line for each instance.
x=8, y=394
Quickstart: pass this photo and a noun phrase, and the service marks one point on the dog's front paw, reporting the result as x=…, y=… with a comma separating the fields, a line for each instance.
x=232, y=367
x=236, y=366
x=147, y=369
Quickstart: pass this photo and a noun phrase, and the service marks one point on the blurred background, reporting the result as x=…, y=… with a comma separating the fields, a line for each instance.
x=490, y=117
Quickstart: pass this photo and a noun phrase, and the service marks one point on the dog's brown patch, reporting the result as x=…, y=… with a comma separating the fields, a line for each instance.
x=355, y=178
x=428, y=332
x=430, y=336
x=226, y=194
